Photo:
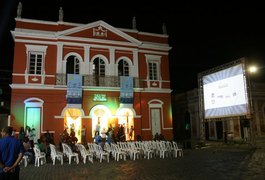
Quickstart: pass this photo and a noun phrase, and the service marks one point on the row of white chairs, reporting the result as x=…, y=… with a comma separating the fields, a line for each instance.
x=98, y=152
x=118, y=152
x=132, y=149
x=137, y=149
x=93, y=150
x=150, y=149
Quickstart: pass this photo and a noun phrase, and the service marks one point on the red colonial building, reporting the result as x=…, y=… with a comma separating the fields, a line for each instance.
x=45, y=52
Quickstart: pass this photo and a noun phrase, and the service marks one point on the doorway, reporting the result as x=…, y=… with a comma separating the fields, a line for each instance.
x=33, y=118
x=156, y=117
x=219, y=129
x=72, y=122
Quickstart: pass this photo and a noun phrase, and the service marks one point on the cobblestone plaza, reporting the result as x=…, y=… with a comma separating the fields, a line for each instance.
x=213, y=162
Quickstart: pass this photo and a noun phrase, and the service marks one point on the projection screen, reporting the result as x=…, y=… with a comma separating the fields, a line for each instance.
x=225, y=93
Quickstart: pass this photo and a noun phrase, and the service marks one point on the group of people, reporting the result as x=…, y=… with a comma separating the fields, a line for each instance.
x=104, y=135
x=12, y=149
x=109, y=135
x=121, y=135
x=159, y=137
x=14, y=145
x=69, y=139
x=26, y=133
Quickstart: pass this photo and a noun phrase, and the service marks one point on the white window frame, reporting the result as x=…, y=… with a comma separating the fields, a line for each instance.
x=76, y=65
x=153, y=59
x=35, y=63
x=36, y=50
x=153, y=70
x=125, y=67
x=157, y=60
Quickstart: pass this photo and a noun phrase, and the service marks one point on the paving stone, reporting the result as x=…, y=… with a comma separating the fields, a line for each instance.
x=214, y=162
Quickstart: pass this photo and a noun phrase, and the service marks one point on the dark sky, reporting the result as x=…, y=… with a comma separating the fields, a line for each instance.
x=202, y=35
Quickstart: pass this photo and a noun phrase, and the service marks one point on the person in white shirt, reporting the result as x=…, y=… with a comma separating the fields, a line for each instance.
x=103, y=135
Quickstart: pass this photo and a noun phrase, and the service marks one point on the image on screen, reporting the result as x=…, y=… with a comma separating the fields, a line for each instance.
x=225, y=93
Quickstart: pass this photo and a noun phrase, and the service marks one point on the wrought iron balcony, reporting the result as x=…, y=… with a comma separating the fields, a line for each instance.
x=101, y=81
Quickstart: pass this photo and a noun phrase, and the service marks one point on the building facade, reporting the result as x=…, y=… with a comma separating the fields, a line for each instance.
x=46, y=52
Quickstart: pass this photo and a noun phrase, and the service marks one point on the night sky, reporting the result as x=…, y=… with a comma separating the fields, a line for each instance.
x=202, y=35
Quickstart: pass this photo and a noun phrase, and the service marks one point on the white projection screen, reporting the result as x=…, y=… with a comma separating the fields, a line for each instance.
x=225, y=93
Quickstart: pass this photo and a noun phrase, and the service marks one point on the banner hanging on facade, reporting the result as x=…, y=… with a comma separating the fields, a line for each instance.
x=74, y=89
x=126, y=92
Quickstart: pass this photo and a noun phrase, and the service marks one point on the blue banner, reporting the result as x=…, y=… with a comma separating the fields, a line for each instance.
x=126, y=93
x=74, y=89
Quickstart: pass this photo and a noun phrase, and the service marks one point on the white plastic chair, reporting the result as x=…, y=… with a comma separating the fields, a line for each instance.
x=119, y=153
x=177, y=151
x=85, y=153
x=108, y=148
x=133, y=151
x=56, y=154
x=91, y=148
x=40, y=157
x=69, y=153
x=148, y=152
x=170, y=148
x=24, y=159
x=163, y=151
x=100, y=154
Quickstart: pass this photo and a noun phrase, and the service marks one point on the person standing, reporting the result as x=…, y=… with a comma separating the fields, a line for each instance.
x=32, y=135
x=97, y=130
x=11, y=153
x=22, y=134
x=83, y=135
x=131, y=132
x=110, y=134
x=104, y=135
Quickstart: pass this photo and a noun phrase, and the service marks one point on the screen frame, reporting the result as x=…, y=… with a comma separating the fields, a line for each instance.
x=224, y=72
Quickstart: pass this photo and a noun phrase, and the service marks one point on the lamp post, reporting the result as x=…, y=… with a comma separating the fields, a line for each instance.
x=251, y=70
x=254, y=72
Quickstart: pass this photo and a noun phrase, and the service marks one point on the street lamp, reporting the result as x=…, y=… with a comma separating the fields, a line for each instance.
x=253, y=69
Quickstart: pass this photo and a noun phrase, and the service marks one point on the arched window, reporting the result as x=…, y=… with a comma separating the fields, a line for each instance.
x=123, y=68
x=73, y=65
x=99, y=67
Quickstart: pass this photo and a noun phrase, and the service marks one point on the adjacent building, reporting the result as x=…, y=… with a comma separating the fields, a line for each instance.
x=186, y=111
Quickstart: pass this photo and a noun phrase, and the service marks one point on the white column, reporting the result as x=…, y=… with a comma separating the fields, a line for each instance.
x=135, y=70
x=111, y=68
x=64, y=67
x=59, y=64
x=86, y=59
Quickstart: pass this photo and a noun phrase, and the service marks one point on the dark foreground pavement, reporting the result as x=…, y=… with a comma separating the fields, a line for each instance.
x=210, y=163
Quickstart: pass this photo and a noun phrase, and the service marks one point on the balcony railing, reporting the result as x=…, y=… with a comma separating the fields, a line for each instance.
x=101, y=81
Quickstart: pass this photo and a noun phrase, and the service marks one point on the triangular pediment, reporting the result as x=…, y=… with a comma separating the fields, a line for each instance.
x=99, y=30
